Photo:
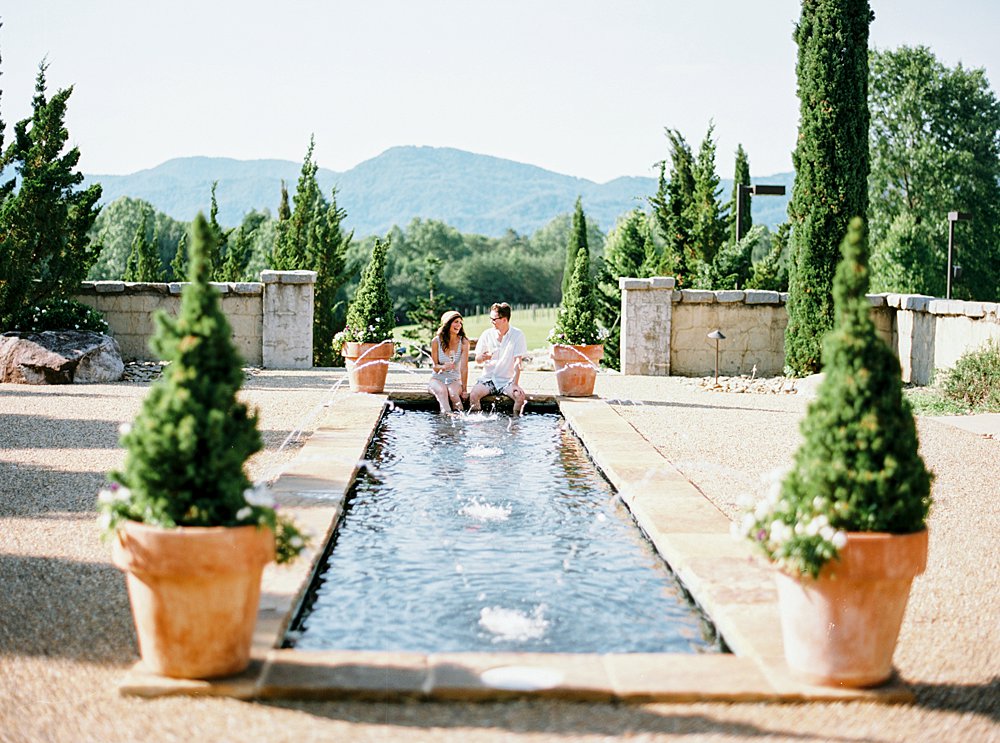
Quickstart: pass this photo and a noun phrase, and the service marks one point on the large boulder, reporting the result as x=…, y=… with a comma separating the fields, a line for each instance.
x=59, y=357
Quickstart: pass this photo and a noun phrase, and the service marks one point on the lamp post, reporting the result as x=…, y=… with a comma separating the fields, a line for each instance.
x=952, y=218
x=742, y=192
x=716, y=335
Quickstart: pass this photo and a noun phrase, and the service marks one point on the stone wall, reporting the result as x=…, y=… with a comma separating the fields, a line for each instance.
x=665, y=330
x=271, y=320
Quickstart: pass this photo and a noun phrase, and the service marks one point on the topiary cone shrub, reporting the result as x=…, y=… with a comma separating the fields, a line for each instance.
x=370, y=317
x=188, y=445
x=576, y=321
x=858, y=468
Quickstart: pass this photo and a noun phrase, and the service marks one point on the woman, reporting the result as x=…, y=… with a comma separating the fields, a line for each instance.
x=450, y=362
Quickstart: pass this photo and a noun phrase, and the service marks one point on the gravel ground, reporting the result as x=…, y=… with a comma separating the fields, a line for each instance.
x=66, y=634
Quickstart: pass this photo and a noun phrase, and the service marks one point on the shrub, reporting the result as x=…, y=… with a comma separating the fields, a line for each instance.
x=974, y=381
x=576, y=322
x=186, y=449
x=60, y=314
x=858, y=468
x=370, y=317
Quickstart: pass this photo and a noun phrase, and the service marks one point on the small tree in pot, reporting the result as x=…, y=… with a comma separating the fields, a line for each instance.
x=576, y=337
x=366, y=341
x=182, y=511
x=854, y=503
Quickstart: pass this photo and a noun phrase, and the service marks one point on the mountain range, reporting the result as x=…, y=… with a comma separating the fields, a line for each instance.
x=476, y=194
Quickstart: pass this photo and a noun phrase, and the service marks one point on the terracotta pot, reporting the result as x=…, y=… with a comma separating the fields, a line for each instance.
x=367, y=365
x=194, y=593
x=841, y=629
x=576, y=368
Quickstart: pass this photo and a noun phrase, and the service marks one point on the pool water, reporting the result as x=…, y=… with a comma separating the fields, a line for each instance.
x=483, y=532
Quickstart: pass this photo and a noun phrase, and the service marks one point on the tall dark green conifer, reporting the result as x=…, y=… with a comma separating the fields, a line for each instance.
x=831, y=165
x=708, y=222
x=577, y=242
x=741, y=177
x=311, y=237
x=179, y=265
x=45, y=251
x=220, y=240
x=672, y=212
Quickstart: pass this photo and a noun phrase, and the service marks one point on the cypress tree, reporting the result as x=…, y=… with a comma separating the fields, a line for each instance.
x=672, y=212
x=45, y=249
x=629, y=252
x=179, y=265
x=143, y=263
x=708, y=223
x=311, y=237
x=831, y=165
x=219, y=244
x=577, y=242
x=741, y=177
x=327, y=253
x=576, y=321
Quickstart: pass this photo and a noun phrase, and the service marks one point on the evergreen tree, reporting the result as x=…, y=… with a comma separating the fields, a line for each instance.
x=220, y=240
x=427, y=311
x=143, y=262
x=577, y=242
x=831, y=165
x=45, y=249
x=291, y=252
x=369, y=314
x=628, y=252
x=672, y=207
x=708, y=222
x=770, y=273
x=741, y=177
x=186, y=449
x=576, y=321
x=327, y=251
x=733, y=264
x=179, y=265
x=237, y=254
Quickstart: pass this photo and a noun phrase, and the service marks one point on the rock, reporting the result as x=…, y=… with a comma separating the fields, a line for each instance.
x=59, y=357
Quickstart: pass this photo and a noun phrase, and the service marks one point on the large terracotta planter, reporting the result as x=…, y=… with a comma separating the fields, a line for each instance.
x=576, y=368
x=841, y=629
x=194, y=593
x=367, y=365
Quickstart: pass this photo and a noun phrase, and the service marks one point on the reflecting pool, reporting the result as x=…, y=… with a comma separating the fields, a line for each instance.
x=488, y=533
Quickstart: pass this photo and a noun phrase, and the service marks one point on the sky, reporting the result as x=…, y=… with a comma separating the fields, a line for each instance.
x=581, y=87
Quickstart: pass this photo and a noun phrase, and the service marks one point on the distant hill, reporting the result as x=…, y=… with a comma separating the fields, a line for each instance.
x=476, y=194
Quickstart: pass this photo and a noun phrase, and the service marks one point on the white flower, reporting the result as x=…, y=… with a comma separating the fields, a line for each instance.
x=747, y=524
x=104, y=521
x=105, y=497
x=296, y=542
x=819, y=503
x=124, y=429
x=827, y=533
x=814, y=526
x=839, y=540
x=259, y=496
x=762, y=510
x=244, y=513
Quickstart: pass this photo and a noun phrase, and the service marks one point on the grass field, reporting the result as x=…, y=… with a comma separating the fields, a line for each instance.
x=536, y=325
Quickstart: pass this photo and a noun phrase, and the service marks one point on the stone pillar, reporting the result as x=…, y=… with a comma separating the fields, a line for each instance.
x=645, y=323
x=915, y=335
x=287, y=335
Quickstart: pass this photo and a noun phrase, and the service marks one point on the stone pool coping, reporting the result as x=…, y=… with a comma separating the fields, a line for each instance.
x=735, y=590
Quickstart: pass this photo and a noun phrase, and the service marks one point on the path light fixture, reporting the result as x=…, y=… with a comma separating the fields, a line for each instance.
x=716, y=335
x=956, y=271
x=741, y=197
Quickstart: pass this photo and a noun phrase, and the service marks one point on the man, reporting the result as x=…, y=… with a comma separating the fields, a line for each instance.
x=500, y=350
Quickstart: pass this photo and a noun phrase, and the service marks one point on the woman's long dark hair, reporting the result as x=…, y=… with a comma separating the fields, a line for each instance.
x=444, y=334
